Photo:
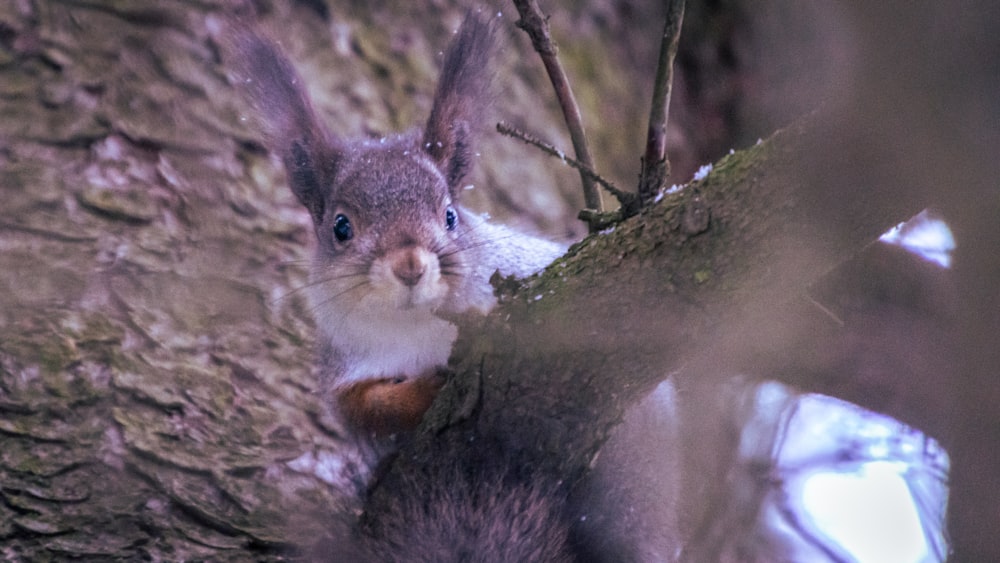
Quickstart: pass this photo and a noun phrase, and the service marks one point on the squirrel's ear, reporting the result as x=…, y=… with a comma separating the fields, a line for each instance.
x=462, y=97
x=271, y=85
x=309, y=167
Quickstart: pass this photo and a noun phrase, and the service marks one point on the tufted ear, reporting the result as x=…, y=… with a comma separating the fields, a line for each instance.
x=461, y=100
x=292, y=131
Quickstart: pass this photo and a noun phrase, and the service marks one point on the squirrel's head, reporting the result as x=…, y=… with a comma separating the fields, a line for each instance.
x=388, y=229
x=385, y=212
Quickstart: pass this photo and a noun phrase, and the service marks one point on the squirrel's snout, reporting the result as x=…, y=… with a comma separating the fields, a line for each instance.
x=409, y=266
x=407, y=277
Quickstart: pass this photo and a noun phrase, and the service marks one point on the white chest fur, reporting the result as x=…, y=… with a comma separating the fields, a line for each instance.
x=375, y=341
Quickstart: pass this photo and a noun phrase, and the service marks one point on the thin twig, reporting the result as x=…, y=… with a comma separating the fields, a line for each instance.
x=655, y=166
x=506, y=129
x=536, y=25
x=826, y=311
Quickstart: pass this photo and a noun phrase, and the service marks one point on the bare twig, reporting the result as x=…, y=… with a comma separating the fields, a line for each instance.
x=536, y=25
x=622, y=196
x=655, y=166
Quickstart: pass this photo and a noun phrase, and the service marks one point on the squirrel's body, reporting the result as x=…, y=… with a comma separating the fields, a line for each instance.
x=396, y=258
x=396, y=253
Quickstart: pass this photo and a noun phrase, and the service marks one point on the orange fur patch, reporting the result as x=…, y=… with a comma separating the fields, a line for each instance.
x=388, y=406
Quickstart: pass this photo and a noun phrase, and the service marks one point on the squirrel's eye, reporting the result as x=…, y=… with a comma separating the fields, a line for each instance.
x=342, y=228
x=450, y=218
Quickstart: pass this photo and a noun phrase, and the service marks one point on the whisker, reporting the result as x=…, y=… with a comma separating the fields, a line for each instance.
x=317, y=282
x=305, y=261
x=477, y=244
x=295, y=291
x=338, y=276
x=336, y=296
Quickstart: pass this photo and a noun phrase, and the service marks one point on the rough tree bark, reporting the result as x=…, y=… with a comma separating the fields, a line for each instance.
x=154, y=379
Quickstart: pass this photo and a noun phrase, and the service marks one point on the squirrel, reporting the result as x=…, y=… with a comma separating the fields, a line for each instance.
x=396, y=252
x=397, y=256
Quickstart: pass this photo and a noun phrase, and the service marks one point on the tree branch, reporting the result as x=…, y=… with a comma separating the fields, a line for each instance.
x=536, y=25
x=624, y=198
x=695, y=298
x=655, y=165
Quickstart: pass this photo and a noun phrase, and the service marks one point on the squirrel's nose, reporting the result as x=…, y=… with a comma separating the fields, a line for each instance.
x=409, y=267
